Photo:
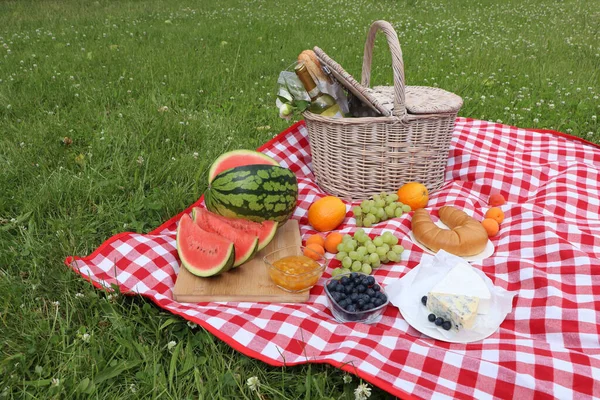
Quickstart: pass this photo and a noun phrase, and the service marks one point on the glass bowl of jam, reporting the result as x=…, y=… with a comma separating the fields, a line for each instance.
x=295, y=268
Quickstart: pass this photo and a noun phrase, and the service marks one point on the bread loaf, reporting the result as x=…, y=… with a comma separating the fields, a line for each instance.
x=309, y=58
x=466, y=236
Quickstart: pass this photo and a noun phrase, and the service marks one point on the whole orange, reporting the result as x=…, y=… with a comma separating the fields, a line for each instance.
x=318, y=239
x=496, y=214
x=496, y=199
x=314, y=251
x=327, y=213
x=491, y=226
x=413, y=194
x=332, y=240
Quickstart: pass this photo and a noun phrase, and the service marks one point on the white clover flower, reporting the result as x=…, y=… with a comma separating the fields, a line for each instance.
x=195, y=155
x=347, y=378
x=171, y=344
x=192, y=324
x=86, y=337
x=55, y=381
x=133, y=388
x=163, y=109
x=56, y=304
x=79, y=295
x=362, y=392
x=140, y=160
x=253, y=383
x=536, y=120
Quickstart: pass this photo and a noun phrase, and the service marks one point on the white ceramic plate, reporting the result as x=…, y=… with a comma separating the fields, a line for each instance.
x=487, y=252
x=406, y=293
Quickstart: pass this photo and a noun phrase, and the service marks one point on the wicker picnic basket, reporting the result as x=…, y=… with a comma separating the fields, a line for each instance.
x=355, y=158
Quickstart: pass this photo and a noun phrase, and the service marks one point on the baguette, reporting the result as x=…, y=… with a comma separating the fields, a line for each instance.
x=466, y=236
x=309, y=58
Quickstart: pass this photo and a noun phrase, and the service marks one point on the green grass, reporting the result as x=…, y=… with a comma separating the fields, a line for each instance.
x=98, y=72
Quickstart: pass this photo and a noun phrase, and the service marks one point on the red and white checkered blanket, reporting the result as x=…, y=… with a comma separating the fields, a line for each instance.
x=547, y=250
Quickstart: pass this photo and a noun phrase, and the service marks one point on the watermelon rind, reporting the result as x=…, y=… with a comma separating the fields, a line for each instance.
x=238, y=158
x=209, y=242
x=265, y=230
x=244, y=243
x=254, y=192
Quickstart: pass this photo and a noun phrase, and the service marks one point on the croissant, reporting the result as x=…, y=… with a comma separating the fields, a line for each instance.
x=466, y=236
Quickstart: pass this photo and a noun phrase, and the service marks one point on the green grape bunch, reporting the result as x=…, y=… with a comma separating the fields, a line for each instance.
x=380, y=208
x=360, y=253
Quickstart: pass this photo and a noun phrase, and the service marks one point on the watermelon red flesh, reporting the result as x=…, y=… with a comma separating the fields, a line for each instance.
x=245, y=244
x=203, y=253
x=264, y=230
x=238, y=158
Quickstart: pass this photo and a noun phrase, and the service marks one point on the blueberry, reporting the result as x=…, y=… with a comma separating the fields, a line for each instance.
x=343, y=303
x=369, y=306
x=344, y=281
x=424, y=300
x=361, y=288
x=354, y=297
x=377, y=302
x=350, y=287
x=341, y=295
x=438, y=321
x=353, y=275
x=447, y=325
x=351, y=308
x=376, y=287
x=370, y=292
x=370, y=281
x=431, y=317
x=335, y=296
x=361, y=303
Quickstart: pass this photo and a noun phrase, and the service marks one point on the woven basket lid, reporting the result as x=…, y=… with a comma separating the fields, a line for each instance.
x=418, y=99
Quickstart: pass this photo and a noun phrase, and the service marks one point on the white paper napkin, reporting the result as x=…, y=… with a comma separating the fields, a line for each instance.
x=406, y=293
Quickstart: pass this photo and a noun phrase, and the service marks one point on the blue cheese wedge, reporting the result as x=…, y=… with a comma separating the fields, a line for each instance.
x=460, y=310
x=462, y=280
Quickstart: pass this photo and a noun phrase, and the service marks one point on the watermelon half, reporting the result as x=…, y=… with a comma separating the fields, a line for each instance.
x=245, y=244
x=254, y=192
x=238, y=158
x=264, y=230
x=203, y=253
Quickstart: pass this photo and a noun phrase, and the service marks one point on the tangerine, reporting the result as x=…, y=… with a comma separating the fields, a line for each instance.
x=316, y=238
x=413, y=194
x=332, y=240
x=491, y=226
x=327, y=213
x=314, y=251
x=496, y=199
x=495, y=213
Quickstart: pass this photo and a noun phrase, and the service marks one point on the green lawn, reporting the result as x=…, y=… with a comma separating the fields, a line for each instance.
x=101, y=73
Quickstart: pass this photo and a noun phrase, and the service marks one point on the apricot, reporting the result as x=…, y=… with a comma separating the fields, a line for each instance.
x=491, y=226
x=496, y=199
x=316, y=238
x=314, y=251
x=495, y=213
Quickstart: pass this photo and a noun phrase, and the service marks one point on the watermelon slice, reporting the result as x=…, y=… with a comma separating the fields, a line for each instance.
x=264, y=230
x=245, y=244
x=203, y=253
x=238, y=158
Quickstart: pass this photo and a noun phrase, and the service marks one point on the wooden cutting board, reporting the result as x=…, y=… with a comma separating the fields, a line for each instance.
x=248, y=282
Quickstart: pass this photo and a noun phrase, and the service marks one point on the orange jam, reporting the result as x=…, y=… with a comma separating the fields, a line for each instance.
x=295, y=273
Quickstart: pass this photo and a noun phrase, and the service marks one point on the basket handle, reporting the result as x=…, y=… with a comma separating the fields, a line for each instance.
x=397, y=63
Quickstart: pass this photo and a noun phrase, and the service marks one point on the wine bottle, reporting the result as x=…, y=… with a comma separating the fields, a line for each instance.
x=320, y=103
